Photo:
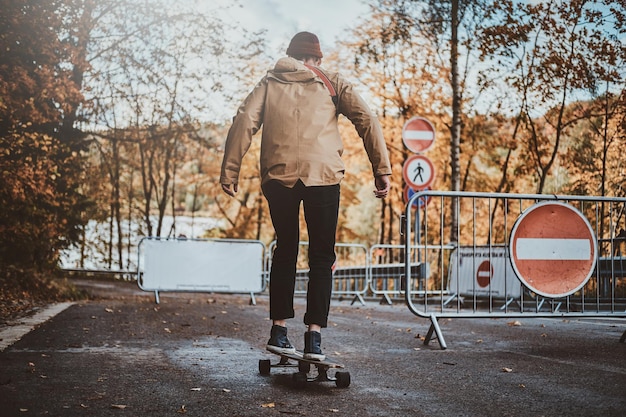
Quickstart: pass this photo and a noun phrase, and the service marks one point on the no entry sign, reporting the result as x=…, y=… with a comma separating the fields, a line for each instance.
x=418, y=134
x=484, y=273
x=553, y=249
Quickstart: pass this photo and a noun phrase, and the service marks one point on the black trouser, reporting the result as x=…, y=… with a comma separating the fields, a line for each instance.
x=321, y=207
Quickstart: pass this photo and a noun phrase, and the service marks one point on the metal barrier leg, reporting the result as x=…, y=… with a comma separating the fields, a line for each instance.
x=508, y=303
x=252, y=299
x=386, y=299
x=358, y=297
x=452, y=297
x=434, y=326
x=156, y=297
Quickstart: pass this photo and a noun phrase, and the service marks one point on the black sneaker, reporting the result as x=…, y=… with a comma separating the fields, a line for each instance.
x=278, y=342
x=313, y=346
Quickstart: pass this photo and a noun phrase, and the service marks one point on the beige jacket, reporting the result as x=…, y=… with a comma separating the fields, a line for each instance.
x=300, y=138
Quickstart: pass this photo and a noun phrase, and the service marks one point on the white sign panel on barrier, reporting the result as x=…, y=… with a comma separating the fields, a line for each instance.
x=482, y=271
x=201, y=265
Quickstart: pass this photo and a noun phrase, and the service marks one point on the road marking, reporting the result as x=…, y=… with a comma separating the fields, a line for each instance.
x=24, y=325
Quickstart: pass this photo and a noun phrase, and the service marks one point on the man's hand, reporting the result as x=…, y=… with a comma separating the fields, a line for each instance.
x=382, y=186
x=231, y=192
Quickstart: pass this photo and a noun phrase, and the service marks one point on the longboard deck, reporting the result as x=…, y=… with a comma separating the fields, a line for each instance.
x=299, y=356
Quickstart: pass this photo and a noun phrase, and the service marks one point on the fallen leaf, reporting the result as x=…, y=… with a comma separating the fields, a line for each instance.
x=23, y=410
x=182, y=409
x=195, y=389
x=225, y=390
x=268, y=405
x=507, y=370
x=333, y=410
x=514, y=323
x=108, y=310
x=167, y=330
x=118, y=406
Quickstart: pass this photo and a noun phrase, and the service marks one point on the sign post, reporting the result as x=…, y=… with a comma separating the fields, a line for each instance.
x=553, y=249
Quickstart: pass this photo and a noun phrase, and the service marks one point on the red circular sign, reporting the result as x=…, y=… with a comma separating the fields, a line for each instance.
x=484, y=273
x=553, y=249
x=418, y=134
x=418, y=172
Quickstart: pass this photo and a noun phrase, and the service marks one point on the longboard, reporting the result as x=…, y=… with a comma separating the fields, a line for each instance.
x=300, y=378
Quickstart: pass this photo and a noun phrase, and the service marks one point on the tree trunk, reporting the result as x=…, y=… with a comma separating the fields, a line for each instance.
x=455, y=131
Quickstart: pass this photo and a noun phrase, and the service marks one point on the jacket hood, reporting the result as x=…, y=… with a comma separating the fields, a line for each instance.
x=291, y=70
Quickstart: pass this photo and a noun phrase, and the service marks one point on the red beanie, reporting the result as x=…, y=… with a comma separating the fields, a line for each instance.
x=304, y=44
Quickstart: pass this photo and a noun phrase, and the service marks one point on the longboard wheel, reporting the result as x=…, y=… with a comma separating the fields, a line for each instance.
x=342, y=379
x=265, y=366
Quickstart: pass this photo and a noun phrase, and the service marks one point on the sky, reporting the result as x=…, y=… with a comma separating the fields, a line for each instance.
x=282, y=19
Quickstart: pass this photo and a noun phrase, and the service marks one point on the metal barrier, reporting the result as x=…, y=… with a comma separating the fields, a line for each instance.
x=116, y=274
x=386, y=272
x=514, y=255
x=350, y=273
x=201, y=265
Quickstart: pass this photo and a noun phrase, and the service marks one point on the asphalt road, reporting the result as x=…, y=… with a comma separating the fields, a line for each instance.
x=197, y=355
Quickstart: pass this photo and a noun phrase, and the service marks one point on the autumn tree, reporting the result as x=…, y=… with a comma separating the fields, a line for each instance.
x=40, y=162
x=157, y=74
x=548, y=56
x=405, y=78
x=451, y=26
x=596, y=153
x=40, y=152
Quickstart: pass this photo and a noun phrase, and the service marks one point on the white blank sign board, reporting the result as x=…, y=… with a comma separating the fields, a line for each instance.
x=201, y=265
